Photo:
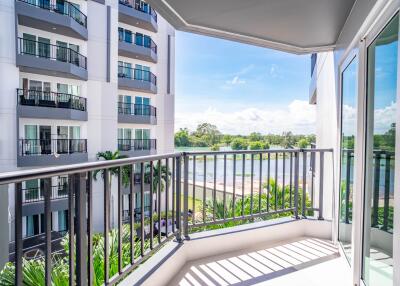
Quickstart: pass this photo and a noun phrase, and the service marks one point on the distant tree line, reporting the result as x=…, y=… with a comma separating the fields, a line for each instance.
x=208, y=135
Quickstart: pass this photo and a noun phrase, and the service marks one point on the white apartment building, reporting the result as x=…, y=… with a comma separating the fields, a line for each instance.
x=77, y=78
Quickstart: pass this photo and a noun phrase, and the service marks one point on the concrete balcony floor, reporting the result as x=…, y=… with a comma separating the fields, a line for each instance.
x=303, y=261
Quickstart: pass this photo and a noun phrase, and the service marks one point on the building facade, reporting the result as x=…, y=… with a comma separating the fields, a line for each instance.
x=80, y=77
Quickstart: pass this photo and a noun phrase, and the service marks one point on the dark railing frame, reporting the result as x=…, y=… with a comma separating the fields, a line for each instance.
x=137, y=109
x=52, y=52
x=133, y=41
x=136, y=5
x=31, y=97
x=136, y=74
x=137, y=144
x=80, y=205
x=29, y=147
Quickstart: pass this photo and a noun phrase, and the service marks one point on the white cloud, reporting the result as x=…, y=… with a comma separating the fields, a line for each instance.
x=236, y=80
x=298, y=117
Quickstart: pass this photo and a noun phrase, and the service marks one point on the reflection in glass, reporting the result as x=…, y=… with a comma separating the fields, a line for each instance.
x=349, y=128
x=380, y=157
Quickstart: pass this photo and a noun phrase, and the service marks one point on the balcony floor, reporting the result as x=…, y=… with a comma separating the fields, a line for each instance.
x=300, y=262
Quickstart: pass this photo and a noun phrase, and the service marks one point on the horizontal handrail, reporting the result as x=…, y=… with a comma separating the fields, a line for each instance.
x=136, y=74
x=139, y=6
x=29, y=147
x=49, y=51
x=61, y=7
x=137, y=39
x=32, y=97
x=137, y=109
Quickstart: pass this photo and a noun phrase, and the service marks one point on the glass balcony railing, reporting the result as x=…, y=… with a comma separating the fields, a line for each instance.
x=136, y=74
x=136, y=109
x=140, y=6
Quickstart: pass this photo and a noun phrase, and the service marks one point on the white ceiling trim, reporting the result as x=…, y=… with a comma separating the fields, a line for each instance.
x=179, y=23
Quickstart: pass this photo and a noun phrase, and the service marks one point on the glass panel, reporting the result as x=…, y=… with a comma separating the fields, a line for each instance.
x=138, y=72
x=44, y=47
x=138, y=105
x=138, y=134
x=349, y=128
x=120, y=34
x=128, y=36
x=120, y=133
x=380, y=157
x=62, y=51
x=29, y=46
x=146, y=73
x=31, y=132
x=139, y=39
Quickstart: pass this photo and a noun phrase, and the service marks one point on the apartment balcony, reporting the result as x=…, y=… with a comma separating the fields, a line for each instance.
x=136, y=80
x=62, y=17
x=138, y=14
x=46, y=59
x=223, y=234
x=33, y=200
x=137, y=113
x=137, y=147
x=140, y=49
x=48, y=152
x=50, y=105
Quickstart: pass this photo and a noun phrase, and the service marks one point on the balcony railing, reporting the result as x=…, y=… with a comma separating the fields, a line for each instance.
x=34, y=147
x=194, y=191
x=137, y=144
x=32, y=195
x=61, y=7
x=51, y=52
x=140, y=6
x=137, y=109
x=136, y=74
x=137, y=39
x=31, y=97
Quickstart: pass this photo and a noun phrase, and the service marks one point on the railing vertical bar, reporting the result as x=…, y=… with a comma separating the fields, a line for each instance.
x=276, y=182
x=194, y=191
x=18, y=234
x=215, y=187
x=224, y=190
x=387, y=193
x=71, y=230
x=142, y=225
x=268, y=179
x=283, y=179
x=347, y=195
x=132, y=214
x=173, y=194
x=186, y=196
x=304, y=198
x=296, y=185
x=321, y=187
x=120, y=174
x=260, y=184
x=159, y=167
x=375, y=199
x=243, y=180
x=290, y=179
x=151, y=204
x=107, y=190
x=166, y=196
x=251, y=184
x=312, y=158
x=47, y=223
x=90, y=228
x=81, y=222
x=178, y=199
x=204, y=188
x=234, y=187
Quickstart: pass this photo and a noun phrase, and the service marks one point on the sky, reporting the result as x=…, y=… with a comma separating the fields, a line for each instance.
x=240, y=88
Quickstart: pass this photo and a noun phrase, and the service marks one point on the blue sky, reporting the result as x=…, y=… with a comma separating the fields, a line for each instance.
x=240, y=88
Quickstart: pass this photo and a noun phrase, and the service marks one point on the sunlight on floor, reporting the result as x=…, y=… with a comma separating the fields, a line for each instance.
x=307, y=261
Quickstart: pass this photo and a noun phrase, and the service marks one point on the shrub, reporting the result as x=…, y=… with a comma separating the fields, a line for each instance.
x=239, y=144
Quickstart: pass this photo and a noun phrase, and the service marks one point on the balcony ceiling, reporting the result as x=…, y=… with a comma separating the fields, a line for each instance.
x=297, y=26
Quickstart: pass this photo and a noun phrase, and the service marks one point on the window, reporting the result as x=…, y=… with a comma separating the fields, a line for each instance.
x=62, y=51
x=120, y=34
x=44, y=47
x=29, y=44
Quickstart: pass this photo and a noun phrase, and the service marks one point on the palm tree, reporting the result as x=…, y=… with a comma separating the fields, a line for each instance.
x=158, y=170
x=109, y=155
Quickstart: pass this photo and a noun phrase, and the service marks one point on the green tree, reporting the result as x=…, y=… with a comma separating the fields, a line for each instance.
x=239, y=144
x=288, y=140
x=303, y=143
x=182, y=138
x=109, y=155
x=255, y=136
x=208, y=133
x=258, y=145
x=227, y=139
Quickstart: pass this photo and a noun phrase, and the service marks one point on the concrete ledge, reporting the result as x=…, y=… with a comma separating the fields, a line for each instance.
x=131, y=50
x=43, y=19
x=33, y=64
x=138, y=119
x=136, y=85
x=136, y=18
x=51, y=113
x=165, y=264
x=51, y=160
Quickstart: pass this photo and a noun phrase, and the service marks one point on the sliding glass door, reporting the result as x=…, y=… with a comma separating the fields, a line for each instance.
x=380, y=157
x=349, y=129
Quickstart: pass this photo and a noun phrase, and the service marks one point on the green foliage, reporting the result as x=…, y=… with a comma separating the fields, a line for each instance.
x=239, y=144
x=159, y=170
x=255, y=136
x=109, y=155
x=258, y=145
x=215, y=147
x=303, y=143
x=182, y=138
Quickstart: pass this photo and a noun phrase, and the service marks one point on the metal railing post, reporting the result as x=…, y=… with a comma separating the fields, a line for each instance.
x=81, y=230
x=321, y=186
x=178, y=200
x=296, y=185
x=185, y=195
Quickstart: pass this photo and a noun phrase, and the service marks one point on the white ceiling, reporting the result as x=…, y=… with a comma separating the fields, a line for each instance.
x=299, y=26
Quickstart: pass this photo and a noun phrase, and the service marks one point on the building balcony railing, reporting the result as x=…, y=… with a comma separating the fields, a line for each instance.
x=35, y=147
x=137, y=144
x=137, y=74
x=40, y=98
x=60, y=7
x=137, y=109
x=261, y=189
x=51, y=52
x=140, y=6
x=33, y=195
x=138, y=40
